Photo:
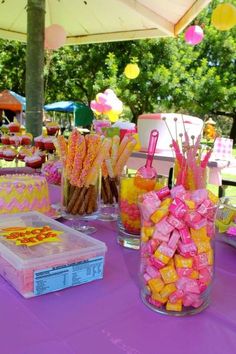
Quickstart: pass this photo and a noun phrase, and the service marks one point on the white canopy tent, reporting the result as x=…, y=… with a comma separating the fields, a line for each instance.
x=91, y=21
x=86, y=21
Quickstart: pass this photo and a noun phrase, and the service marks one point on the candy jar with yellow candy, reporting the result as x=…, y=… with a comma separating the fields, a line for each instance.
x=129, y=215
x=132, y=186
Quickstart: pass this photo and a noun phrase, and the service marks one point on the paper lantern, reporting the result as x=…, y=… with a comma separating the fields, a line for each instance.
x=55, y=37
x=132, y=71
x=224, y=17
x=194, y=35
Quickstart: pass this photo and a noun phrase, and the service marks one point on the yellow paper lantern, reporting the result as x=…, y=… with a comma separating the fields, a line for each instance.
x=132, y=71
x=224, y=17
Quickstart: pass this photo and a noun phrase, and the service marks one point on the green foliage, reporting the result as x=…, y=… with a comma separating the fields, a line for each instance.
x=174, y=76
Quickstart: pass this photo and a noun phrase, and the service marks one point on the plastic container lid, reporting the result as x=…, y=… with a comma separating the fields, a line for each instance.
x=73, y=244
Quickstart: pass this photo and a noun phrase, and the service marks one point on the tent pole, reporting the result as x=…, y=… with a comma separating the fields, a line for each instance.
x=34, y=66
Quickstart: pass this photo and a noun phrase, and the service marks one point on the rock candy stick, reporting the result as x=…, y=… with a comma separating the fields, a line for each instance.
x=123, y=158
x=80, y=151
x=93, y=172
x=115, y=149
x=73, y=138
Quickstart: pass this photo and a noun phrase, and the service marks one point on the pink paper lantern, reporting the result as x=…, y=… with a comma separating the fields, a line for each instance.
x=55, y=37
x=194, y=35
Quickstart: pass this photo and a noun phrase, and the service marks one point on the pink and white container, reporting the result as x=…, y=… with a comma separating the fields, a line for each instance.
x=148, y=122
x=47, y=267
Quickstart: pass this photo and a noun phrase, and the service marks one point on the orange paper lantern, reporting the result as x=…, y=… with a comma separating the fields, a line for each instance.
x=224, y=17
x=132, y=71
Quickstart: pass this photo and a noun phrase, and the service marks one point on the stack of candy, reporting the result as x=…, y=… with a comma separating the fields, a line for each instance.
x=177, y=248
x=113, y=165
x=52, y=171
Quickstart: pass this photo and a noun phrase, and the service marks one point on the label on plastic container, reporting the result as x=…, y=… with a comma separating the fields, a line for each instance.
x=61, y=277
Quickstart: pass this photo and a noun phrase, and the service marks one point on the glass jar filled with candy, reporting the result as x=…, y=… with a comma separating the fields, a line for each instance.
x=177, y=236
x=131, y=188
x=177, y=250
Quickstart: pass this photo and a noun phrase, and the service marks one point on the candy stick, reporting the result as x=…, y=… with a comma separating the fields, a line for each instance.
x=123, y=144
x=181, y=139
x=123, y=158
x=176, y=132
x=174, y=143
x=164, y=120
x=93, y=172
x=71, y=152
x=112, y=178
x=109, y=166
x=93, y=143
x=115, y=149
x=204, y=162
x=104, y=170
x=62, y=149
x=186, y=137
x=80, y=151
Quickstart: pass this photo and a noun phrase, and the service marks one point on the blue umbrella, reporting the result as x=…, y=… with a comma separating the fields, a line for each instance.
x=61, y=106
x=20, y=98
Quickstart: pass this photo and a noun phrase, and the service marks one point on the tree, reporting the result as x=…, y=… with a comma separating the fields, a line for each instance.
x=174, y=76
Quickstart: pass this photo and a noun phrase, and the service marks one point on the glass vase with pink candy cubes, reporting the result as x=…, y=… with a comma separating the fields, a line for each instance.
x=177, y=236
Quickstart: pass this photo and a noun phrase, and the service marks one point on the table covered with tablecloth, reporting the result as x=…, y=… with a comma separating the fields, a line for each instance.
x=107, y=316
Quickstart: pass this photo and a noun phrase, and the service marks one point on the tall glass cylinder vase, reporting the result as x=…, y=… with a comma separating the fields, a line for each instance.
x=108, y=208
x=129, y=221
x=177, y=251
x=80, y=204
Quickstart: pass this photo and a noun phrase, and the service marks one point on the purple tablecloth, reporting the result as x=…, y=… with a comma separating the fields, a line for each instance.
x=108, y=317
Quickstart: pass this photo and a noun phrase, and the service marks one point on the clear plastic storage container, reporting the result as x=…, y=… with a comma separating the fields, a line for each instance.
x=51, y=266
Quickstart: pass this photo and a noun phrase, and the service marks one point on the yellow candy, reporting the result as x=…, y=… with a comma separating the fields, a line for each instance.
x=168, y=274
x=161, y=257
x=174, y=307
x=203, y=246
x=158, y=297
x=213, y=198
x=148, y=231
x=167, y=290
x=182, y=262
x=166, y=203
x=190, y=204
x=194, y=274
x=158, y=215
x=200, y=233
x=171, y=262
x=144, y=238
x=156, y=285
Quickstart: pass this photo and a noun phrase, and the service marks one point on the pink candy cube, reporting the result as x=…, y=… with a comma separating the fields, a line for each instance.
x=178, y=208
x=175, y=236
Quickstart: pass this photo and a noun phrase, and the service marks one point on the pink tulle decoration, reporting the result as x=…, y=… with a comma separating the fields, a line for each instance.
x=194, y=35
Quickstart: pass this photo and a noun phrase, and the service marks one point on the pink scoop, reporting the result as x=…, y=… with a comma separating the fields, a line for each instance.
x=148, y=171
